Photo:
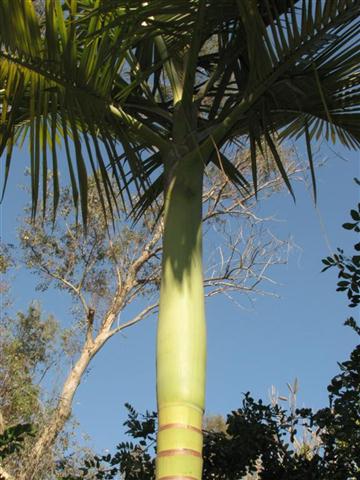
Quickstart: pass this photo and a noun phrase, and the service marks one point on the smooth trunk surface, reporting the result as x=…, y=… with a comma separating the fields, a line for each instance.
x=181, y=341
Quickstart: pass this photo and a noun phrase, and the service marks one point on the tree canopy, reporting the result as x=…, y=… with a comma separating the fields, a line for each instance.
x=141, y=75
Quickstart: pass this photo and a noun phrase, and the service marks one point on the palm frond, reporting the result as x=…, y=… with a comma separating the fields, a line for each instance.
x=122, y=81
x=60, y=84
x=300, y=67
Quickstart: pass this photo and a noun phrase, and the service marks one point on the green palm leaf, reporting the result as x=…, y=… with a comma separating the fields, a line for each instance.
x=57, y=83
x=264, y=72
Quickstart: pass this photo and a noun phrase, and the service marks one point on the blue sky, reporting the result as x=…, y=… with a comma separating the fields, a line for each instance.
x=300, y=334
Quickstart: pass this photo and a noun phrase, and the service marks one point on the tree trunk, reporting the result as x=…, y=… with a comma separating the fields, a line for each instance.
x=4, y=475
x=181, y=340
x=60, y=415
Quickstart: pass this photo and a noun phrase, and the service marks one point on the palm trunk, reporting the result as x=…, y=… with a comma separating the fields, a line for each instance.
x=181, y=340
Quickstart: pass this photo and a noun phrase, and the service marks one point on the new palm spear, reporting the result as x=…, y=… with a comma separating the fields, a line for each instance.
x=147, y=94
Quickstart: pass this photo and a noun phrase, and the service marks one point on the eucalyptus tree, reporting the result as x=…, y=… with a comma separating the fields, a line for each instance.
x=133, y=89
x=103, y=275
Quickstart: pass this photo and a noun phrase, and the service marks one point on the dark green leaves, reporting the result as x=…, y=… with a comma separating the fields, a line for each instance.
x=231, y=172
x=355, y=214
x=310, y=158
x=12, y=439
x=348, y=267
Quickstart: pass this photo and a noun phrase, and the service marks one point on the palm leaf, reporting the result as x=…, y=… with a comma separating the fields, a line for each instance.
x=54, y=79
x=125, y=67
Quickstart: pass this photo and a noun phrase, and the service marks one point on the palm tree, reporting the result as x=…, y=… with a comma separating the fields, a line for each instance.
x=151, y=92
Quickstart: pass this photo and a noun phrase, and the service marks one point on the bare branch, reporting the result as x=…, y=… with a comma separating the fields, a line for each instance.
x=143, y=314
x=148, y=251
x=89, y=328
x=62, y=280
x=67, y=284
x=116, y=265
x=89, y=262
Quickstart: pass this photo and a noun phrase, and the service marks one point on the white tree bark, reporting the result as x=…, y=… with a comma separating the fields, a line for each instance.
x=62, y=412
x=4, y=475
x=60, y=415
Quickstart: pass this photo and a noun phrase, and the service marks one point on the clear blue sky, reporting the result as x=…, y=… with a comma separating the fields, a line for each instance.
x=298, y=335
